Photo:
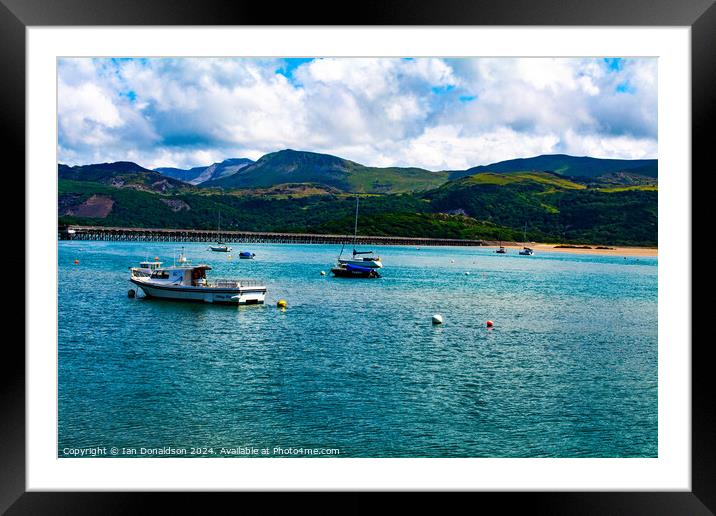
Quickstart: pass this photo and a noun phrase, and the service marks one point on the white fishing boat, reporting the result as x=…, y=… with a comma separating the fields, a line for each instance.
x=369, y=261
x=145, y=268
x=186, y=282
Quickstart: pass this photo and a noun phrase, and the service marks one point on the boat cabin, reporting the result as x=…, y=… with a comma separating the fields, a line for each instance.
x=150, y=265
x=194, y=276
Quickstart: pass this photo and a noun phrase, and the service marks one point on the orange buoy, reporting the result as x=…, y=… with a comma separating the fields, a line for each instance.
x=77, y=262
x=156, y=258
x=490, y=324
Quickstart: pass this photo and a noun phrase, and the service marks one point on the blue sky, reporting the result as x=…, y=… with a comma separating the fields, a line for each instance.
x=435, y=113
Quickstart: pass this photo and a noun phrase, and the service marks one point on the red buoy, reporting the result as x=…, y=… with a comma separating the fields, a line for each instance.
x=490, y=324
x=77, y=262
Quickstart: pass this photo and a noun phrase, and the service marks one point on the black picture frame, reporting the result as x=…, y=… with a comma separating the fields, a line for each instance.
x=17, y=15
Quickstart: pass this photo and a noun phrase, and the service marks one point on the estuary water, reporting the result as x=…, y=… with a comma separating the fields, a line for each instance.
x=354, y=367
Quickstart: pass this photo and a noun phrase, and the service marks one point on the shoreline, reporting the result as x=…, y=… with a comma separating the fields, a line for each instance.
x=106, y=233
x=612, y=251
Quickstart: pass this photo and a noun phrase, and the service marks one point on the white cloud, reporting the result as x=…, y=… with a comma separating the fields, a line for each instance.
x=428, y=112
x=604, y=146
x=445, y=147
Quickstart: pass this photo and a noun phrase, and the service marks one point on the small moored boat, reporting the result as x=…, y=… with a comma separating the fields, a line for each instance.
x=370, y=261
x=247, y=255
x=526, y=251
x=220, y=246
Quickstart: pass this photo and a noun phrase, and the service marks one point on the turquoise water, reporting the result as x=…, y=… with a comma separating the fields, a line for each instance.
x=355, y=365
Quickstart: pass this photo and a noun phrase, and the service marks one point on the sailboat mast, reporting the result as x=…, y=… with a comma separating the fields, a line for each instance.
x=355, y=228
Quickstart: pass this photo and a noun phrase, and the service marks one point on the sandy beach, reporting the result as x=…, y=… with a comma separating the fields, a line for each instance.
x=612, y=251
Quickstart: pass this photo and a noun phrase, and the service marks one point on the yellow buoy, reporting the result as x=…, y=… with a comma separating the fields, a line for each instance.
x=281, y=303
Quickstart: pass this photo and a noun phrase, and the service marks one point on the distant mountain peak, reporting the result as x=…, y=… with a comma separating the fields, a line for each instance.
x=205, y=173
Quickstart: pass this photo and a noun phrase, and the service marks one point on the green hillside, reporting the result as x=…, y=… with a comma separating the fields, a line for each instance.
x=122, y=174
x=553, y=208
x=583, y=200
x=489, y=206
x=290, y=166
x=562, y=164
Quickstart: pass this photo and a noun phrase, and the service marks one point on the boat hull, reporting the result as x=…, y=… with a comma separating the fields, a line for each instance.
x=236, y=296
x=362, y=272
x=220, y=249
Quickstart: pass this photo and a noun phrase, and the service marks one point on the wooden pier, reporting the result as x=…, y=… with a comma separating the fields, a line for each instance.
x=200, y=235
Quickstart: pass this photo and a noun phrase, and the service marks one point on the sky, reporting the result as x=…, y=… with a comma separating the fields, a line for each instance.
x=434, y=113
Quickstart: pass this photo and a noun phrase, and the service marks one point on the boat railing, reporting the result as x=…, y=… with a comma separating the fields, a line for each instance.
x=235, y=283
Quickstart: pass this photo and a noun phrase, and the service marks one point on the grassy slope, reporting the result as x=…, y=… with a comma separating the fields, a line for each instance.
x=401, y=215
x=497, y=207
x=578, y=166
x=289, y=166
x=555, y=208
x=363, y=179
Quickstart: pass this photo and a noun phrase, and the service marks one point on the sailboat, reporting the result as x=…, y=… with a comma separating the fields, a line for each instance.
x=502, y=249
x=220, y=246
x=526, y=251
x=358, y=265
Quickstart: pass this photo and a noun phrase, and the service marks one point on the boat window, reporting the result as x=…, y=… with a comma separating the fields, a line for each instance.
x=160, y=275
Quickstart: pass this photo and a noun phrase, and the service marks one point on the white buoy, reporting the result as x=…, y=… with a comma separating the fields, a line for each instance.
x=467, y=273
x=323, y=273
x=452, y=261
x=437, y=319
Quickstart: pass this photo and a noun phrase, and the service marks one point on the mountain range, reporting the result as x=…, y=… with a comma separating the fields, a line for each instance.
x=562, y=198
x=291, y=166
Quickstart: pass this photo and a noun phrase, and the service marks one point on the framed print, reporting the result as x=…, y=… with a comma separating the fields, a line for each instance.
x=433, y=250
